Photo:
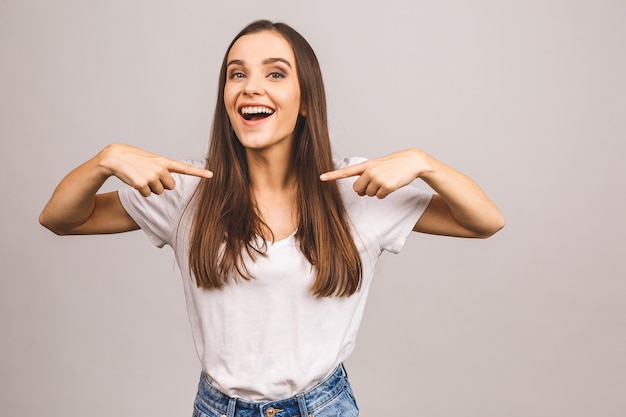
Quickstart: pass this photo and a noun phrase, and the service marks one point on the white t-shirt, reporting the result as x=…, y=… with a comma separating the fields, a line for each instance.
x=269, y=338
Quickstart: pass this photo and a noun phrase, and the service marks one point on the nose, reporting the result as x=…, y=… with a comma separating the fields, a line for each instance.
x=252, y=87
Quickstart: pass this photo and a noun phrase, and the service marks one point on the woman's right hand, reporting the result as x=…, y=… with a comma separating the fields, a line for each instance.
x=75, y=206
x=145, y=171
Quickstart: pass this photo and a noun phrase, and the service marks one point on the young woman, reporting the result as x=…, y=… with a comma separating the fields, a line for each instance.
x=276, y=241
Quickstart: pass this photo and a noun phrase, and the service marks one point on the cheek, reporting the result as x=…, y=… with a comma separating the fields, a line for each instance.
x=230, y=99
x=294, y=104
x=227, y=100
x=230, y=93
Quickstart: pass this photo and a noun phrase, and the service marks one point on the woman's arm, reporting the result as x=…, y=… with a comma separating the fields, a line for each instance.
x=76, y=208
x=460, y=207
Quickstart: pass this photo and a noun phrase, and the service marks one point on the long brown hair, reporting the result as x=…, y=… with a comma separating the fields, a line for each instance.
x=225, y=221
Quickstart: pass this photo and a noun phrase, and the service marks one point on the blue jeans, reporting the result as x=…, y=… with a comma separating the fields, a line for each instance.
x=330, y=398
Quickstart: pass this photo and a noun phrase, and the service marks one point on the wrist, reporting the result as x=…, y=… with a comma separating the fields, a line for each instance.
x=423, y=163
x=105, y=160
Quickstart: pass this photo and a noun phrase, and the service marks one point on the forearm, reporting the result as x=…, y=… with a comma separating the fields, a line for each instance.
x=73, y=200
x=468, y=203
x=74, y=207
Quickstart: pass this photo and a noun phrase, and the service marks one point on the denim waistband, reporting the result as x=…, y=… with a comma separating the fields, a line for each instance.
x=302, y=404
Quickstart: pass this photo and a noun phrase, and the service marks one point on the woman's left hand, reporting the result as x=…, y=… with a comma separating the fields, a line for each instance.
x=459, y=207
x=381, y=176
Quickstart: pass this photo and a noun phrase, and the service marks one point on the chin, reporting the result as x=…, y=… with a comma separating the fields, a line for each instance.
x=261, y=141
x=253, y=142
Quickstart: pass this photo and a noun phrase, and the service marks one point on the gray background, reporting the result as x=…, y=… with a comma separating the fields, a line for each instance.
x=526, y=97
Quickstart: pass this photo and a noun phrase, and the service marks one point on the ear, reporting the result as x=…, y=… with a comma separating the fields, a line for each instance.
x=302, y=110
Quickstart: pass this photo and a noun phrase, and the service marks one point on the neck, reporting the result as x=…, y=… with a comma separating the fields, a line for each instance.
x=273, y=193
x=270, y=172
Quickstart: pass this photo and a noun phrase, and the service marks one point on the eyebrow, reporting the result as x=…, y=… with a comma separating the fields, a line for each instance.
x=266, y=61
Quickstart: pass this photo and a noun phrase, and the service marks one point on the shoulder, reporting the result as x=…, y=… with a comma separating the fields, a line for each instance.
x=159, y=215
x=340, y=163
x=352, y=201
x=347, y=161
x=187, y=183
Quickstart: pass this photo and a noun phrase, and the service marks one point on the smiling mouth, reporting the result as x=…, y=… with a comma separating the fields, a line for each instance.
x=255, y=112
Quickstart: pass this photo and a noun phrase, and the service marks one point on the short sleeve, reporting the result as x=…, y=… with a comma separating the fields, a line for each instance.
x=394, y=216
x=390, y=219
x=159, y=215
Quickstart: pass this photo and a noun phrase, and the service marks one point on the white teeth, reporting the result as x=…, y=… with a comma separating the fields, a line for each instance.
x=256, y=110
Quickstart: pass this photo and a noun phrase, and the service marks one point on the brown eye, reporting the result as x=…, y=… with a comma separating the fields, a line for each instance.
x=236, y=74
